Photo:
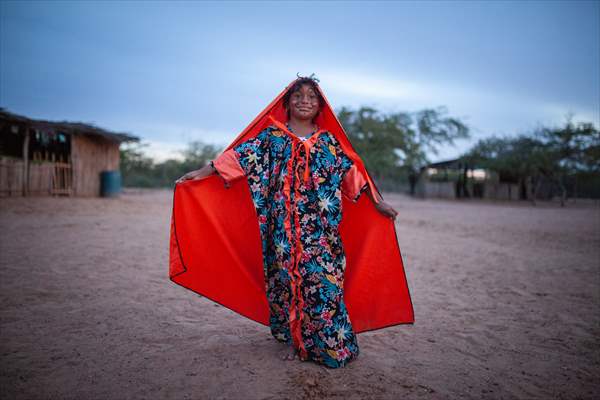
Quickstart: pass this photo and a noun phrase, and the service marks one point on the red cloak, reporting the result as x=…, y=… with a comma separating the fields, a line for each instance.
x=215, y=245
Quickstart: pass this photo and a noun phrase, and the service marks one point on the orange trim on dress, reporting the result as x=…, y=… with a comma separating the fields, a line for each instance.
x=308, y=143
x=296, y=311
x=353, y=183
x=296, y=301
x=228, y=166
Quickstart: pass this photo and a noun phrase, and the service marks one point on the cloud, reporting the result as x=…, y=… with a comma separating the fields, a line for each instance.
x=161, y=151
x=485, y=109
x=368, y=87
x=163, y=141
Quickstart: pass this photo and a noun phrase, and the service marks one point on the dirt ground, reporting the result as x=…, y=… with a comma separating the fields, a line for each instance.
x=506, y=297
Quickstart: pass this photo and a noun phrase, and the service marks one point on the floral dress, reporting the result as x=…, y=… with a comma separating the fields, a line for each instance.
x=296, y=186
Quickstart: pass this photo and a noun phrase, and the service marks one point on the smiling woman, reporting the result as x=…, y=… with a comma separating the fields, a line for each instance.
x=303, y=102
x=299, y=173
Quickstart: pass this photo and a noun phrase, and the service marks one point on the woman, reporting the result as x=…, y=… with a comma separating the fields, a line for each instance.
x=303, y=103
x=299, y=214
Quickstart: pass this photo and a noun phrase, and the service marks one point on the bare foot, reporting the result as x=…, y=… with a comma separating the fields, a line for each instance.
x=289, y=353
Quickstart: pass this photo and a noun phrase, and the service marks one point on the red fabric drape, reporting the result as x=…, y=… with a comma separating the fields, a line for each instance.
x=215, y=246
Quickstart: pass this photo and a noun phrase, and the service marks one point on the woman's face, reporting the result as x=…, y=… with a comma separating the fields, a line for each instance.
x=304, y=103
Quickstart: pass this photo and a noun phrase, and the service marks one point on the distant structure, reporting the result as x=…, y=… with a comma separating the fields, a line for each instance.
x=452, y=179
x=39, y=157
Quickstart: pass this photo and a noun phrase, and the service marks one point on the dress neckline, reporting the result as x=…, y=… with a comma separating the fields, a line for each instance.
x=287, y=124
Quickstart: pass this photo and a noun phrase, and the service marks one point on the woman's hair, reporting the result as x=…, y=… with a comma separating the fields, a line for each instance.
x=303, y=80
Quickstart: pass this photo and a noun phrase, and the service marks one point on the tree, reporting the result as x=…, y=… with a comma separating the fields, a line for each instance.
x=141, y=171
x=575, y=146
x=198, y=154
x=568, y=150
x=135, y=165
x=554, y=154
x=516, y=159
x=396, y=143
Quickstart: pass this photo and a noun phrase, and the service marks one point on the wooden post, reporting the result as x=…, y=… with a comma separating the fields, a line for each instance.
x=26, y=162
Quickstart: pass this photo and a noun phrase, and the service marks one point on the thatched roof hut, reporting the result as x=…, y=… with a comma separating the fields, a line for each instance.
x=39, y=157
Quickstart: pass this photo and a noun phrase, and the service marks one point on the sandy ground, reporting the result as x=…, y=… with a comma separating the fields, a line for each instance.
x=506, y=297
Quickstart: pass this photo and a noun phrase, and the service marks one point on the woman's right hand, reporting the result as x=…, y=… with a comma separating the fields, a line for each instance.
x=196, y=174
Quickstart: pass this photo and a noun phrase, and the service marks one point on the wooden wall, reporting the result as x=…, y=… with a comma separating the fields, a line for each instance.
x=89, y=157
x=444, y=190
x=11, y=176
x=40, y=178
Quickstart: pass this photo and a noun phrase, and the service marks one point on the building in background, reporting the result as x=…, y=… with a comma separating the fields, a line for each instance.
x=453, y=179
x=39, y=157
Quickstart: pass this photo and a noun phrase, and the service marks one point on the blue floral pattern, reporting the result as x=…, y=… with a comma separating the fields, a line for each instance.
x=315, y=287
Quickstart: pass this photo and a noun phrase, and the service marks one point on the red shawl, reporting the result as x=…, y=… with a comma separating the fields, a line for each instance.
x=215, y=246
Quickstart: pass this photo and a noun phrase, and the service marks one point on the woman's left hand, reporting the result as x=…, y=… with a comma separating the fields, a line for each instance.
x=386, y=209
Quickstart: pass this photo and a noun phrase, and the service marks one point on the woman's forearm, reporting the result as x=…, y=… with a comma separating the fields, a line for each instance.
x=374, y=196
x=207, y=170
x=200, y=173
x=382, y=206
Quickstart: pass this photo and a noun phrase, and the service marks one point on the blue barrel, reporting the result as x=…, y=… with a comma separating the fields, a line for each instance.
x=110, y=183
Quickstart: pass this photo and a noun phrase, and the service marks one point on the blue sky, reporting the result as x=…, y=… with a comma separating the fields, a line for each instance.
x=175, y=72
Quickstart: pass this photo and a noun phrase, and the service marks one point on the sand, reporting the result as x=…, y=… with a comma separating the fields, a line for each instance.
x=506, y=297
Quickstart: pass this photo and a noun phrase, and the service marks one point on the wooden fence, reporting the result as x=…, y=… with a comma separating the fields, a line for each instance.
x=38, y=178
